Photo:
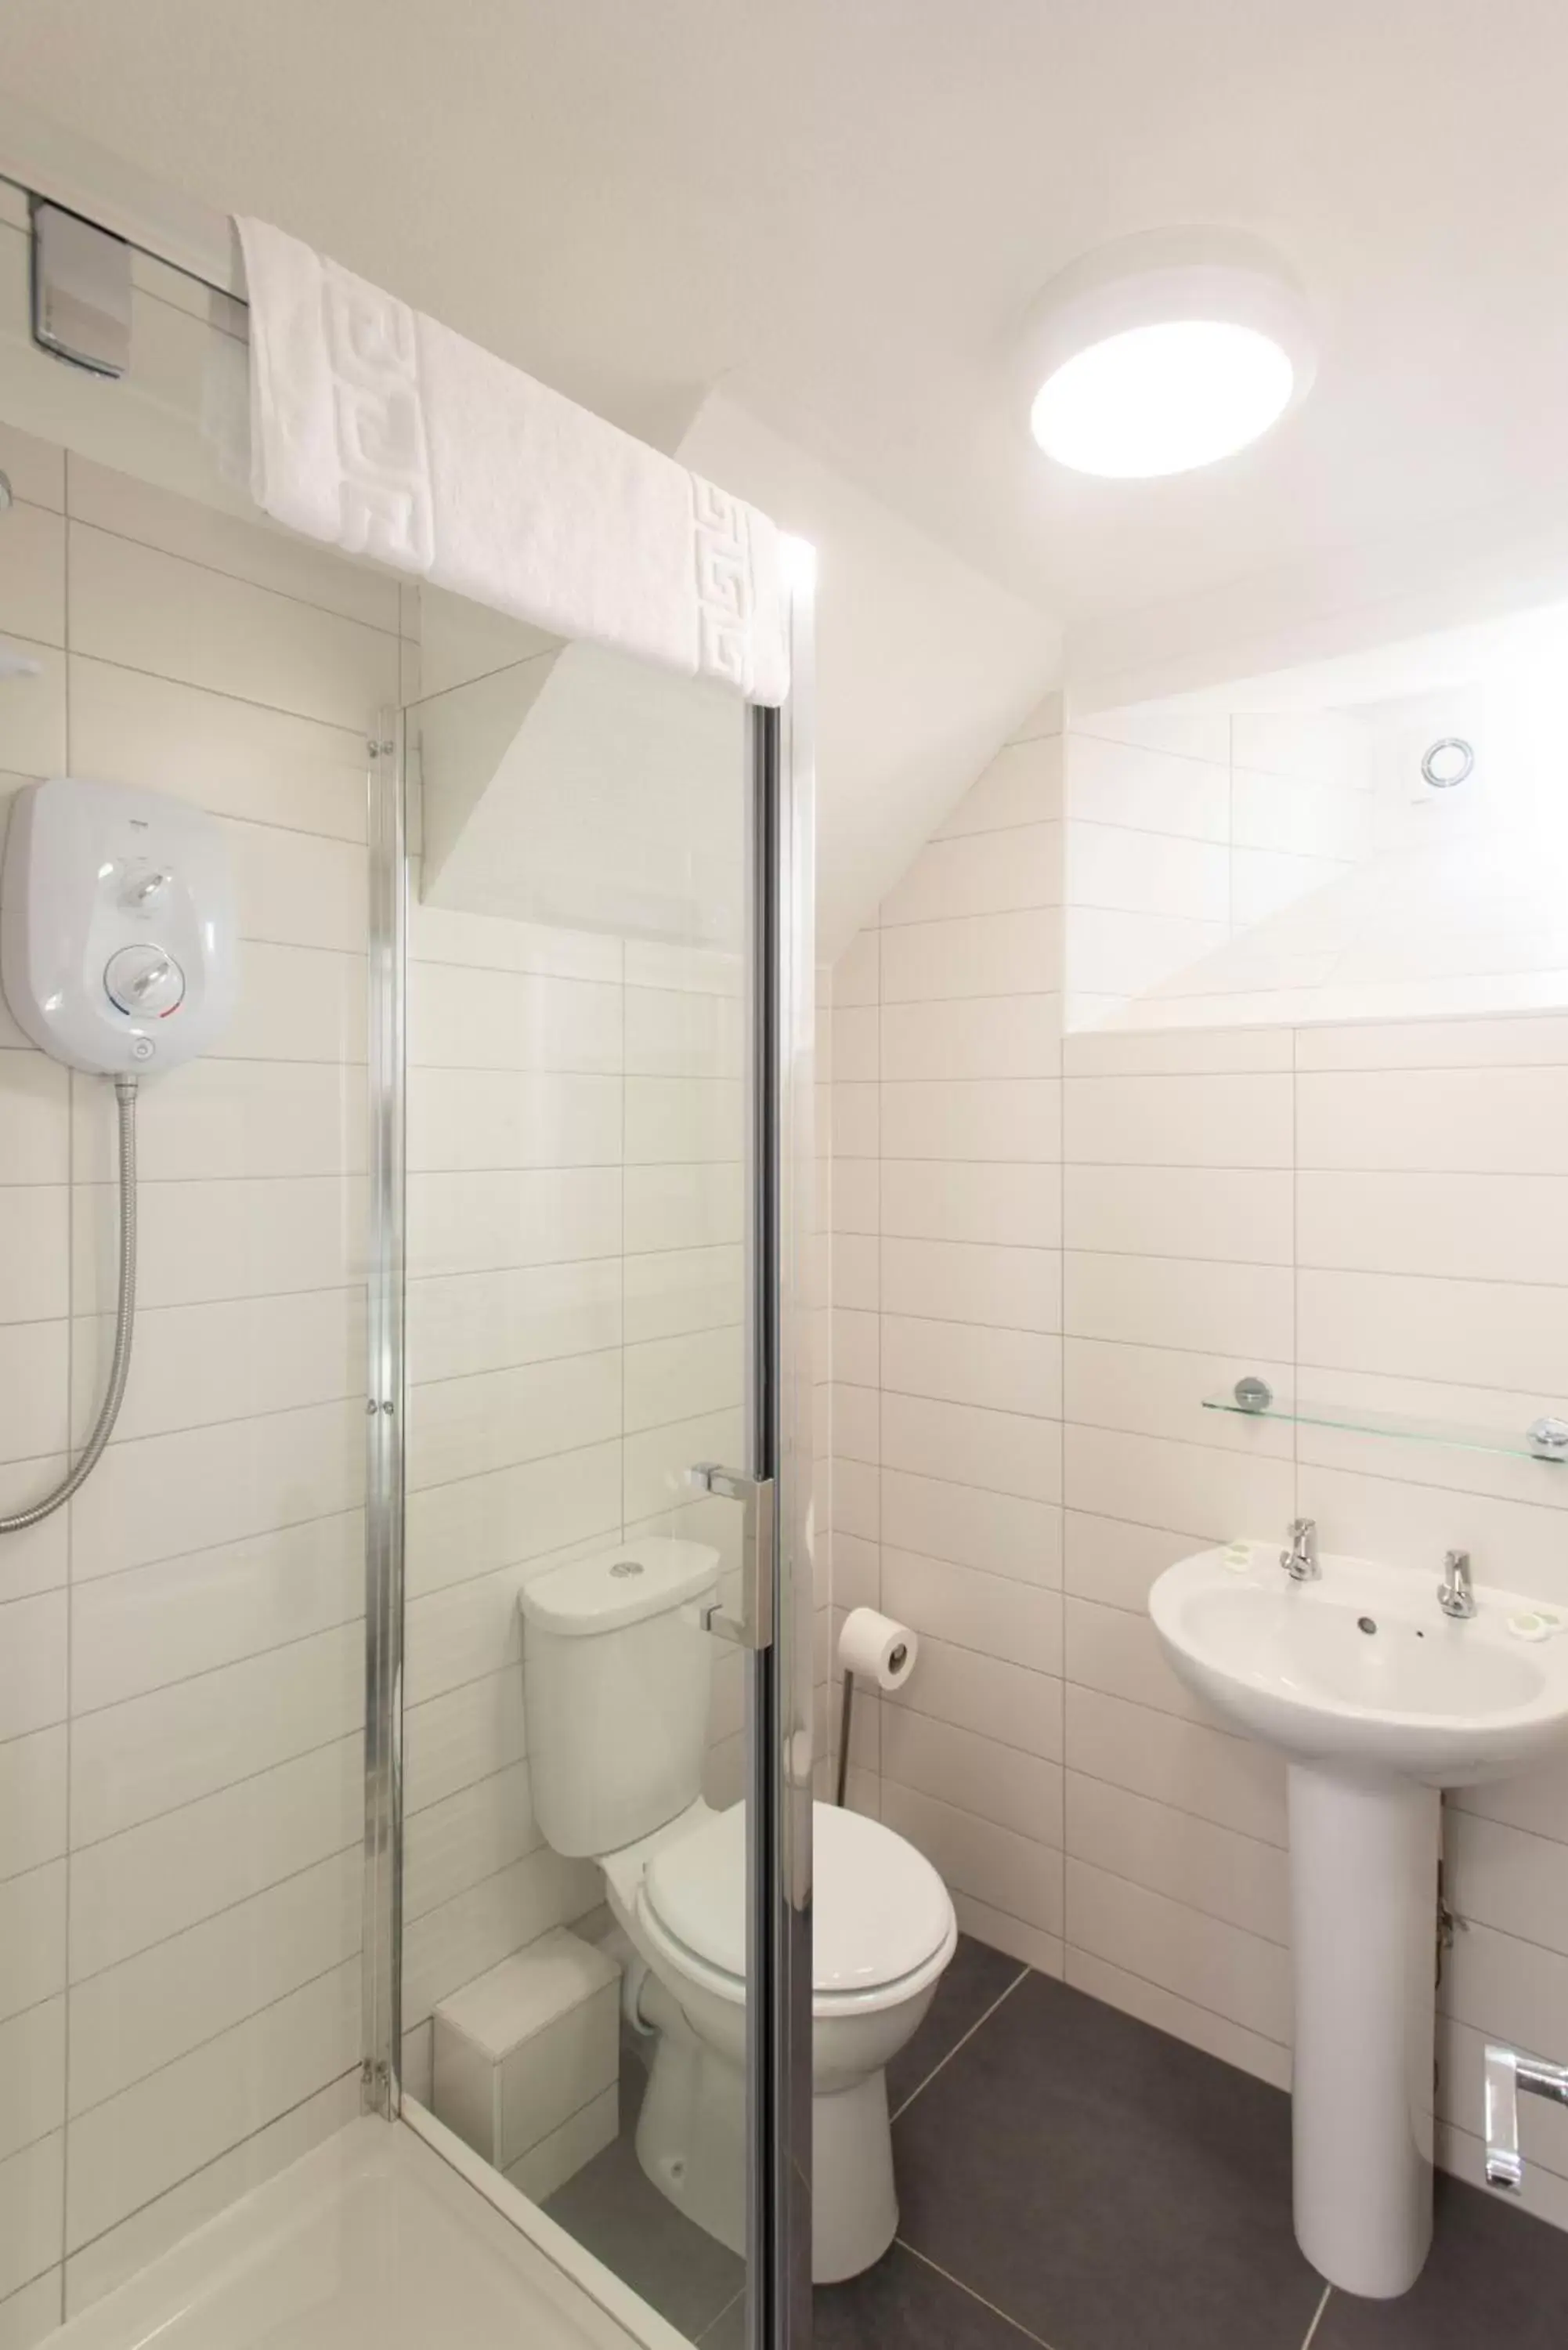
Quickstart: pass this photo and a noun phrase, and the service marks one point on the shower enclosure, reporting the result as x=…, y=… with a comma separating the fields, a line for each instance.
x=471, y=1250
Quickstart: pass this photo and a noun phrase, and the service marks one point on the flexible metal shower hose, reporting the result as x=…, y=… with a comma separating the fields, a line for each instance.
x=124, y=1323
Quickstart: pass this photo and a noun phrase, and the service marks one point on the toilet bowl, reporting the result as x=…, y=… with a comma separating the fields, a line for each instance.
x=617, y=1672
x=883, y=1930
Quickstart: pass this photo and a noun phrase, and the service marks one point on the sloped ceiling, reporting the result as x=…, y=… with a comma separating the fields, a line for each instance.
x=841, y=214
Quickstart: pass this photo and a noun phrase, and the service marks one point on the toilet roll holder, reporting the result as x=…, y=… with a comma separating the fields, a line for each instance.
x=846, y=1714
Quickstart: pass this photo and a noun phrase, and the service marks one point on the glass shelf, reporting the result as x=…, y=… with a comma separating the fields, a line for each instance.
x=1355, y=1421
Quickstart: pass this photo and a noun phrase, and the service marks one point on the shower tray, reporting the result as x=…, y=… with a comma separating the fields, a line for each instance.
x=385, y=2237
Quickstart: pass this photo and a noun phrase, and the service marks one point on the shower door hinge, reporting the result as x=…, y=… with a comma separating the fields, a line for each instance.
x=81, y=291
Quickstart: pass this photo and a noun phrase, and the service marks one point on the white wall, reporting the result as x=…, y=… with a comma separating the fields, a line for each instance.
x=1370, y=1214
x=946, y=1342
x=1190, y=832
x=180, y=1771
x=924, y=666
x=1366, y=1215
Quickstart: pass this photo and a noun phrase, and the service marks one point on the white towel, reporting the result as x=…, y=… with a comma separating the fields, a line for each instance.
x=384, y=433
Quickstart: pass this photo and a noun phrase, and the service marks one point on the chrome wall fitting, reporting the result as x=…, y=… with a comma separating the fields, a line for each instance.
x=81, y=291
x=1507, y=2072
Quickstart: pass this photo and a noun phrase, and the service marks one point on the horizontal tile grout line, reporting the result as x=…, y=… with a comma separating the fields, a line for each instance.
x=74, y=2252
x=1300, y=1264
x=32, y=2006
x=202, y=1550
x=218, y=571
x=339, y=1402
x=957, y=1566
x=461, y=1893
x=907, y=1705
x=205, y=1672
x=416, y=1596
x=1149, y=751
x=1231, y=2022
x=129, y=2088
x=73, y=1983
x=1192, y=1909
x=981, y=832
x=995, y=2308
x=353, y=1287
x=925, y=1002
x=962, y=1811
x=1141, y=1705
x=188, y=1803
x=360, y=733
x=1024, y=1969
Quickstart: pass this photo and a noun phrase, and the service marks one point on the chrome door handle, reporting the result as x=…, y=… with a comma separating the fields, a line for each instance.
x=753, y=1626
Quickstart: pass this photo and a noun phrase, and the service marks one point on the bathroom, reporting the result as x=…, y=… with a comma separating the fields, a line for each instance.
x=1026, y=1063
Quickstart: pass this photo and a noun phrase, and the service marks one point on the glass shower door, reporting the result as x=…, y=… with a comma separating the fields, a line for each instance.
x=606, y=1644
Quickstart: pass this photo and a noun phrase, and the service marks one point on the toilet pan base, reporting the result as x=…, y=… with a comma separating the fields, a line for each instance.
x=691, y=2143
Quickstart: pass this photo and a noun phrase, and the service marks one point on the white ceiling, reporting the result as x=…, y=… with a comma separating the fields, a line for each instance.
x=843, y=208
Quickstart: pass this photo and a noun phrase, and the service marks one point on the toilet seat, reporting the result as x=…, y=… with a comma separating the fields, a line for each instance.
x=883, y=1923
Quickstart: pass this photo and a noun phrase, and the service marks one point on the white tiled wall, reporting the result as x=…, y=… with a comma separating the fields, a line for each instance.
x=1354, y=1212
x=1365, y=1213
x=1187, y=830
x=946, y=1326
x=181, y=1696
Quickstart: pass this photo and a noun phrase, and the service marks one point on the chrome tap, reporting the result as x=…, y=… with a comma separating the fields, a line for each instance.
x=1300, y=1558
x=1456, y=1593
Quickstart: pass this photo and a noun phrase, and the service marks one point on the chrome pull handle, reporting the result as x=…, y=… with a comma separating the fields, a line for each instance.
x=1507, y=2072
x=753, y=1626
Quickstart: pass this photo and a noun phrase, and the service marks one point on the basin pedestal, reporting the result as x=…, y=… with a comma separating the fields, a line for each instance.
x=1364, y=1897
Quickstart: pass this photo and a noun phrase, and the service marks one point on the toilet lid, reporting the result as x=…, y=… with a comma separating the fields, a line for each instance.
x=880, y=1910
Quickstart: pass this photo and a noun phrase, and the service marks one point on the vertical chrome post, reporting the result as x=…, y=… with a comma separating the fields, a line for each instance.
x=384, y=1401
x=779, y=1713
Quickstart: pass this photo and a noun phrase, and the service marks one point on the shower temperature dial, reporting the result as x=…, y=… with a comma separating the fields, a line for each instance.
x=144, y=980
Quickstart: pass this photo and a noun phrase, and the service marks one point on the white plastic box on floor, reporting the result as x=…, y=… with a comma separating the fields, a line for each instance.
x=527, y=2061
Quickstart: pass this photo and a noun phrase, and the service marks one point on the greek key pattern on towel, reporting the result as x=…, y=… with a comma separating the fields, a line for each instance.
x=385, y=487
x=724, y=589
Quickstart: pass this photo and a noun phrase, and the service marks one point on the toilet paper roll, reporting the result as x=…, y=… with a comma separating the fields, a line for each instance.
x=876, y=1648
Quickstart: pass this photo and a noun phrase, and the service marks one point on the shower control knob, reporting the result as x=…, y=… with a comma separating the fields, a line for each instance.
x=142, y=888
x=145, y=980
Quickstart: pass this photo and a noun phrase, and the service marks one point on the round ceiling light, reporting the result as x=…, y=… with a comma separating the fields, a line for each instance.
x=1166, y=352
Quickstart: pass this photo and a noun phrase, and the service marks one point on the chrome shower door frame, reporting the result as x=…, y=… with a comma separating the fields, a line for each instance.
x=785, y=1265
x=381, y=1949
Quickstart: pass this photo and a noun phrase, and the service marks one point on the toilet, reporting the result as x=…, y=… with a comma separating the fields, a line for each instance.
x=616, y=1668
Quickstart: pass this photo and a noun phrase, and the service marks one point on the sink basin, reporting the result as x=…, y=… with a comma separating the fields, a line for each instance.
x=1363, y=1666
x=1376, y=1699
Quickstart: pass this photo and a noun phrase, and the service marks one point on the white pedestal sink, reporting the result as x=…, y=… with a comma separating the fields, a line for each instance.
x=1377, y=1700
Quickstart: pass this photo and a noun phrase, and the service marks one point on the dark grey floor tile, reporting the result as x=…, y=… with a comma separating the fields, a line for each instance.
x=1104, y=2184
x=903, y=2304
x=974, y=1982
x=1494, y=2276
x=613, y=2210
